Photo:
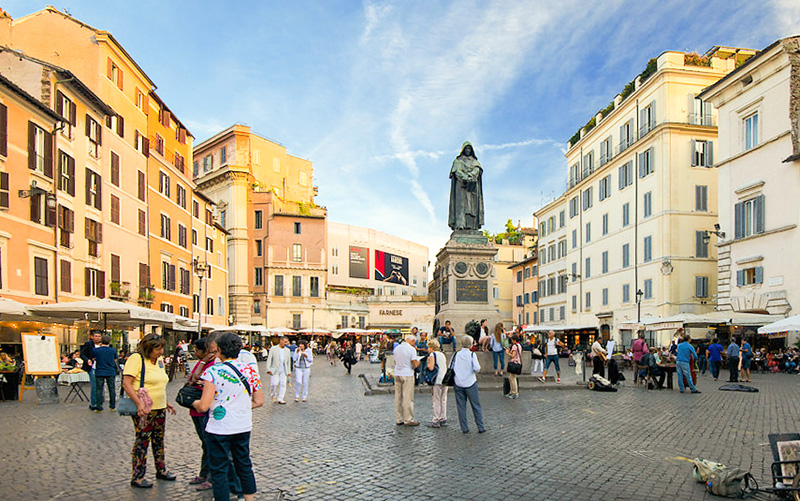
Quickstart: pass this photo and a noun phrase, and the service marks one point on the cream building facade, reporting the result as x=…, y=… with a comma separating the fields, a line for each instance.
x=642, y=192
x=759, y=190
x=552, y=262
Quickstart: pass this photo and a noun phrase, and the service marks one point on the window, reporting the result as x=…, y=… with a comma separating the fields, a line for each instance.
x=335, y=269
x=166, y=227
x=604, y=190
x=114, y=169
x=574, y=238
x=647, y=205
x=625, y=135
x=115, y=209
x=209, y=244
x=297, y=286
x=314, y=287
x=194, y=237
x=297, y=253
x=258, y=277
x=749, y=217
x=220, y=305
x=562, y=284
x=700, y=244
x=160, y=144
x=142, y=223
x=164, y=117
x=210, y=306
x=542, y=230
x=750, y=276
x=648, y=288
x=40, y=148
x=278, y=285
x=163, y=183
x=587, y=271
x=574, y=303
x=588, y=163
x=182, y=241
x=296, y=320
x=646, y=162
x=587, y=198
x=195, y=209
x=701, y=287
x=94, y=235
x=195, y=168
x=605, y=225
x=626, y=255
x=647, y=118
x=186, y=281
x=561, y=219
x=588, y=300
x=66, y=109
x=66, y=173
x=574, y=271
x=543, y=256
x=94, y=282
x=588, y=232
x=526, y=298
x=605, y=297
x=562, y=311
x=751, y=131
x=625, y=173
x=256, y=306
x=95, y=134
x=258, y=223
x=527, y=273
x=66, y=223
x=296, y=228
x=605, y=262
x=141, y=143
x=702, y=153
x=519, y=276
x=116, y=123
x=65, y=279
x=93, y=189
x=562, y=250
x=167, y=276
x=573, y=207
x=208, y=163
x=648, y=249
x=626, y=293
x=114, y=73
x=41, y=282
x=605, y=151
x=701, y=113
x=259, y=248
x=180, y=195
x=551, y=252
x=223, y=155
x=142, y=187
x=626, y=214
x=701, y=198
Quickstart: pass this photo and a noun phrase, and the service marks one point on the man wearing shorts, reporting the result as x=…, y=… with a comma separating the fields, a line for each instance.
x=552, y=346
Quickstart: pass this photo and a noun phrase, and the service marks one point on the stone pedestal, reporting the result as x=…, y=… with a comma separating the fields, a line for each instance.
x=464, y=280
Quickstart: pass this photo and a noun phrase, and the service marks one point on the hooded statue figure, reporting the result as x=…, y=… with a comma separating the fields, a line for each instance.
x=466, y=191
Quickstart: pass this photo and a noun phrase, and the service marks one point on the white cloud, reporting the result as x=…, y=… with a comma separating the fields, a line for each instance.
x=787, y=17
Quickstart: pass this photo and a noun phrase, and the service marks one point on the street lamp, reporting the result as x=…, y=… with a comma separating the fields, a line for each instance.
x=200, y=269
x=716, y=231
x=639, y=295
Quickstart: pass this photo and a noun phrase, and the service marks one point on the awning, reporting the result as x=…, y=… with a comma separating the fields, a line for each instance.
x=675, y=322
x=783, y=326
x=558, y=328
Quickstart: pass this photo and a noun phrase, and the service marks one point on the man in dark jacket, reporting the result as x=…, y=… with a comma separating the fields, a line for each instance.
x=87, y=355
x=105, y=373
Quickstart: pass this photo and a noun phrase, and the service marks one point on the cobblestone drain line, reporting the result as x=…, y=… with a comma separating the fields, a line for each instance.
x=633, y=444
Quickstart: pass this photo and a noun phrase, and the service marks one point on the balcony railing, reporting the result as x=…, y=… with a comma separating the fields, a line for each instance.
x=702, y=119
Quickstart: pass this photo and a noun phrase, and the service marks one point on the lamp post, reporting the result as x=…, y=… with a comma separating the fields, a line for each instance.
x=200, y=268
x=313, y=308
x=639, y=295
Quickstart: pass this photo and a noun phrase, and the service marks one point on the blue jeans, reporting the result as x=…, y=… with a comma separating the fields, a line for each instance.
x=552, y=359
x=471, y=394
x=714, y=367
x=200, y=427
x=238, y=446
x=443, y=341
x=684, y=371
x=93, y=395
x=97, y=394
x=501, y=355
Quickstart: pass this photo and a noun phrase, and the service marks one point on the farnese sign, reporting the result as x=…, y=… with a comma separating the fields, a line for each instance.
x=390, y=313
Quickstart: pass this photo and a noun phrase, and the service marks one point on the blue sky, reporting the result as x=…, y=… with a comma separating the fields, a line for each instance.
x=380, y=95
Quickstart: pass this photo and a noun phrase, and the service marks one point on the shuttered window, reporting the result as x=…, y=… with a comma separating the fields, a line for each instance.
x=3, y=130
x=94, y=195
x=114, y=169
x=4, y=191
x=701, y=198
x=297, y=286
x=648, y=249
x=647, y=205
x=646, y=162
x=41, y=282
x=605, y=262
x=278, y=285
x=749, y=217
x=625, y=173
x=702, y=153
x=750, y=276
x=40, y=150
x=701, y=287
x=66, y=173
x=65, y=278
x=700, y=246
x=626, y=255
x=142, y=191
x=115, y=209
x=648, y=288
x=142, y=223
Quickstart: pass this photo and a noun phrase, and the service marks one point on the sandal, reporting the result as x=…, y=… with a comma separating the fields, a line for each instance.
x=204, y=486
x=197, y=480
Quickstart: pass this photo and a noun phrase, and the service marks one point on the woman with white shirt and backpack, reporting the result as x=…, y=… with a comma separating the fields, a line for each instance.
x=437, y=361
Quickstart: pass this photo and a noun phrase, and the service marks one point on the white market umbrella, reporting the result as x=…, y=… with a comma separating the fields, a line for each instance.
x=115, y=312
x=786, y=325
x=281, y=330
x=13, y=310
x=313, y=331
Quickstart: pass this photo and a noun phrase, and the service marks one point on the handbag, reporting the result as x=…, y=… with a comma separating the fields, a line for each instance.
x=187, y=395
x=514, y=367
x=450, y=375
x=126, y=406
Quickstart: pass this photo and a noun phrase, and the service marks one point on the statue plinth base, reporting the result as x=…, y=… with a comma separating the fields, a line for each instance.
x=463, y=284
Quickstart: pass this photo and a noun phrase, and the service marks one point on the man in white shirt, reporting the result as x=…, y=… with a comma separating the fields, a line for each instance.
x=598, y=358
x=279, y=366
x=405, y=361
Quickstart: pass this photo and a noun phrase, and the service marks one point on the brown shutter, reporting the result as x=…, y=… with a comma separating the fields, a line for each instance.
x=31, y=146
x=3, y=130
x=88, y=185
x=120, y=79
x=99, y=200
x=99, y=133
x=101, y=284
x=50, y=212
x=62, y=217
x=87, y=231
x=146, y=101
x=99, y=233
x=114, y=169
x=71, y=171
x=73, y=119
x=110, y=68
x=4, y=192
x=142, y=187
x=146, y=147
x=35, y=216
x=115, y=266
x=70, y=221
x=60, y=104
x=48, y=155
x=120, y=126
x=87, y=277
x=108, y=121
x=182, y=135
x=142, y=223
x=172, y=277
x=66, y=276
x=115, y=209
x=88, y=126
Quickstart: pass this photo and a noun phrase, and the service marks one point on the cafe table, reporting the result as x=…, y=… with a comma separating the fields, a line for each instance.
x=75, y=380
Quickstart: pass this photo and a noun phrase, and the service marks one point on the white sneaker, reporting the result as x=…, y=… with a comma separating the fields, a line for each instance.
x=541, y=379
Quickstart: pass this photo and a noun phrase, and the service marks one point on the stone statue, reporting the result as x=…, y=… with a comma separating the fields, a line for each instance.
x=466, y=191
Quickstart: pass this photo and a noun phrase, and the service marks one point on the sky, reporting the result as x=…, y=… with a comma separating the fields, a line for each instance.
x=380, y=95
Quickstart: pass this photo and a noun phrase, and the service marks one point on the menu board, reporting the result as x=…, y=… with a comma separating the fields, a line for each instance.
x=41, y=354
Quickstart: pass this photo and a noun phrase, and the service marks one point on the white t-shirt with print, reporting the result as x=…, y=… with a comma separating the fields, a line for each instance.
x=231, y=410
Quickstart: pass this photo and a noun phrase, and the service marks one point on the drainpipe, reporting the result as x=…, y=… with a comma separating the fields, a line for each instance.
x=57, y=127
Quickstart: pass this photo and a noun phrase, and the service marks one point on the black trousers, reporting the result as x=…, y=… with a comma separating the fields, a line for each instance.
x=733, y=367
x=599, y=368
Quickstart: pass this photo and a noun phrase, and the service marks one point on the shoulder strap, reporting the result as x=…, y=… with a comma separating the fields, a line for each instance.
x=141, y=376
x=241, y=377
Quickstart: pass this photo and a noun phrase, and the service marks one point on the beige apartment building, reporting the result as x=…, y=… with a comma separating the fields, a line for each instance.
x=552, y=262
x=641, y=195
x=525, y=281
x=234, y=168
x=759, y=190
x=209, y=266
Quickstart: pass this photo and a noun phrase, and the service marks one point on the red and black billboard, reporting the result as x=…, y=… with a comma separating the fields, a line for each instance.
x=390, y=268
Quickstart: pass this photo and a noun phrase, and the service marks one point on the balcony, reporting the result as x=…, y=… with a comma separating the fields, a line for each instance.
x=702, y=119
x=146, y=296
x=119, y=291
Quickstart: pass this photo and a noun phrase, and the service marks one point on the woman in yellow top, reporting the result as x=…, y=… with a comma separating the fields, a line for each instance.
x=152, y=406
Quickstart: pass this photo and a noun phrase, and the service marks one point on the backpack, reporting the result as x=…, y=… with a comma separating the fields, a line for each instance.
x=731, y=482
x=429, y=376
x=703, y=468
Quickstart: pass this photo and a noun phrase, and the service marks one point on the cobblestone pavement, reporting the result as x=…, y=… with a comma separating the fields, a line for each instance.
x=342, y=445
